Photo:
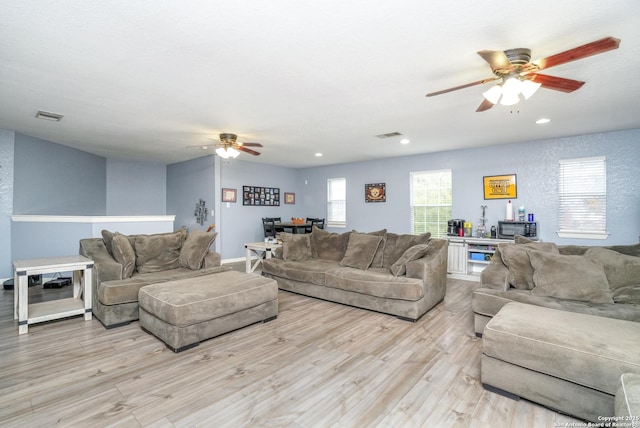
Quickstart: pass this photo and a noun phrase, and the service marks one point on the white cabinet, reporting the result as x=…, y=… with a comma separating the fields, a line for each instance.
x=457, y=257
x=469, y=256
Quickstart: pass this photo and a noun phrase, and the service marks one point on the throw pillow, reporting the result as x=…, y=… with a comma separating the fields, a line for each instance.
x=396, y=245
x=379, y=256
x=413, y=253
x=296, y=247
x=327, y=245
x=621, y=270
x=629, y=294
x=124, y=254
x=569, y=277
x=516, y=258
x=361, y=250
x=155, y=253
x=195, y=248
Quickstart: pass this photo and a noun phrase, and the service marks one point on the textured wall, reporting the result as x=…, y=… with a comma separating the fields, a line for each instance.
x=136, y=188
x=6, y=201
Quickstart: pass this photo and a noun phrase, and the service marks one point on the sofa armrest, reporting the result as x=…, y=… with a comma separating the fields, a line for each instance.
x=212, y=259
x=105, y=268
x=432, y=269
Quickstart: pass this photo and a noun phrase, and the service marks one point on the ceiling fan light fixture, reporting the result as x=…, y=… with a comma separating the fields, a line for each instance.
x=227, y=152
x=528, y=88
x=493, y=95
x=511, y=87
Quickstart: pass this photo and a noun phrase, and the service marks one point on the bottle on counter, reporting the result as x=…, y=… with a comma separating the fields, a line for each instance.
x=509, y=212
x=521, y=213
x=494, y=234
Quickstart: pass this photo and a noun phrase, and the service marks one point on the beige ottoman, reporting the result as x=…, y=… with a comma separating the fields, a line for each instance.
x=567, y=361
x=185, y=312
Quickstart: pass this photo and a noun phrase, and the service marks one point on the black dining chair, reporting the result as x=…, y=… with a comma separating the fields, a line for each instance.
x=318, y=222
x=269, y=226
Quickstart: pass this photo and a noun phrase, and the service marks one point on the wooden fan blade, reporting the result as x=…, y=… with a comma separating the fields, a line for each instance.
x=244, y=149
x=479, y=82
x=484, y=106
x=250, y=144
x=593, y=48
x=556, y=83
x=497, y=60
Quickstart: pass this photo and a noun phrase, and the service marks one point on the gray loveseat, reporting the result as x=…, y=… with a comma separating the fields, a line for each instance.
x=401, y=275
x=594, y=280
x=124, y=264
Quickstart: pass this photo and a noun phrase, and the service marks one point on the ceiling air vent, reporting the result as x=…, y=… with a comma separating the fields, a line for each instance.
x=389, y=135
x=49, y=116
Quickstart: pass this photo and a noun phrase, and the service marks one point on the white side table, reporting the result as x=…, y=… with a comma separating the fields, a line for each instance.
x=26, y=314
x=262, y=250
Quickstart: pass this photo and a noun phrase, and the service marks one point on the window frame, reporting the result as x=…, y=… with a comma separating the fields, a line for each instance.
x=331, y=222
x=565, y=166
x=441, y=231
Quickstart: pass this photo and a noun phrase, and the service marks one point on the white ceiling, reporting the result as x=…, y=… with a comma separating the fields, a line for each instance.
x=142, y=80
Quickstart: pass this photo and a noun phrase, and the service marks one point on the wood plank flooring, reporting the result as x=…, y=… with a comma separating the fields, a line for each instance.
x=319, y=364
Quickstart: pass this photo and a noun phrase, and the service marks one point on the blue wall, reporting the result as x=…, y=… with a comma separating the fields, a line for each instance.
x=6, y=200
x=53, y=179
x=536, y=166
x=135, y=188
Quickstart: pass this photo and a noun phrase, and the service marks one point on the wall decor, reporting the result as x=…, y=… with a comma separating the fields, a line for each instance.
x=200, y=212
x=260, y=196
x=289, y=198
x=375, y=192
x=500, y=186
x=229, y=195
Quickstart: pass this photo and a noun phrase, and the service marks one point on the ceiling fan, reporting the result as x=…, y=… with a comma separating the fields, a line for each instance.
x=520, y=76
x=228, y=147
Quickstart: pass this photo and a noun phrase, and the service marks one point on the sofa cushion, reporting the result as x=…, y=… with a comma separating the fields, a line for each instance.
x=124, y=254
x=569, y=277
x=296, y=247
x=311, y=271
x=375, y=282
x=195, y=247
x=328, y=246
x=379, y=256
x=627, y=401
x=107, y=238
x=361, y=250
x=126, y=290
x=396, y=245
x=621, y=270
x=412, y=253
x=516, y=258
x=158, y=252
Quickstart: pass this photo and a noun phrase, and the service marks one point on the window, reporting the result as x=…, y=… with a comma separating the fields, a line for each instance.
x=431, y=202
x=337, y=202
x=582, y=205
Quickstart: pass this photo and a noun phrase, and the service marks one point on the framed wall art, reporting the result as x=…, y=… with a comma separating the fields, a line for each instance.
x=289, y=198
x=260, y=196
x=500, y=186
x=229, y=195
x=375, y=192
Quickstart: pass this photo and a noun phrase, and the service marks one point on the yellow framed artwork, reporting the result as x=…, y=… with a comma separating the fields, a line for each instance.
x=500, y=186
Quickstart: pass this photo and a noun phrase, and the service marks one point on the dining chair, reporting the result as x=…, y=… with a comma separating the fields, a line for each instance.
x=269, y=226
x=318, y=222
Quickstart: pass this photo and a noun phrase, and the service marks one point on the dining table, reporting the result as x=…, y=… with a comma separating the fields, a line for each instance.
x=295, y=227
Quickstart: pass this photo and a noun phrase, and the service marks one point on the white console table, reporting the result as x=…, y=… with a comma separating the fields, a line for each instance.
x=26, y=314
x=469, y=256
x=262, y=250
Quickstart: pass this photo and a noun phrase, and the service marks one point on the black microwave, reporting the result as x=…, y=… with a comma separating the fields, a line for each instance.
x=509, y=229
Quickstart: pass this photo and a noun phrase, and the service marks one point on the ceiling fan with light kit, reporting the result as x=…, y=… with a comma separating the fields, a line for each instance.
x=228, y=147
x=519, y=76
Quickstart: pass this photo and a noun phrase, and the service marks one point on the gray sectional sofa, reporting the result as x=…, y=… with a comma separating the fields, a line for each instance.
x=602, y=281
x=401, y=275
x=124, y=264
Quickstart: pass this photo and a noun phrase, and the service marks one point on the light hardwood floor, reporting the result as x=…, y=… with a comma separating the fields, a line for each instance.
x=319, y=364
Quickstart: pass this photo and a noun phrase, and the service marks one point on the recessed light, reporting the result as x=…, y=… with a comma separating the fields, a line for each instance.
x=318, y=155
x=543, y=120
x=405, y=141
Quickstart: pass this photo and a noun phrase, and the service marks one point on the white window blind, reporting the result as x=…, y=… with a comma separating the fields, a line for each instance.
x=431, y=200
x=582, y=205
x=337, y=202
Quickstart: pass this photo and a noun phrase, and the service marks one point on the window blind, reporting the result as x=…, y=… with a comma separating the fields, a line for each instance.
x=431, y=201
x=582, y=205
x=337, y=201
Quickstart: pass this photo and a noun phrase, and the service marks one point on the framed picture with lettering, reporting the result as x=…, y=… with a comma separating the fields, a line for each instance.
x=500, y=186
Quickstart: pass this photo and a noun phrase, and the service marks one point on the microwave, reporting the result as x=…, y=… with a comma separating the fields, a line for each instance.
x=509, y=229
